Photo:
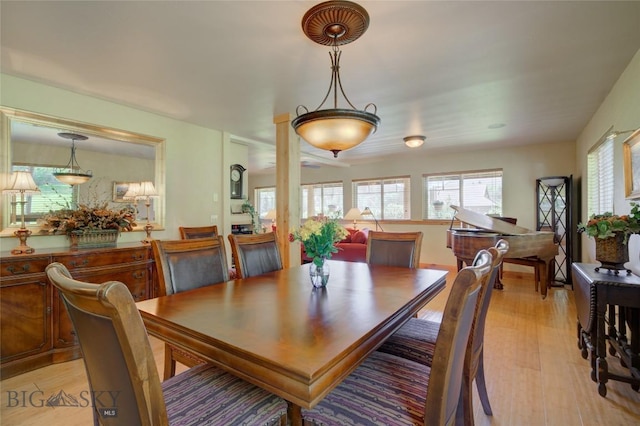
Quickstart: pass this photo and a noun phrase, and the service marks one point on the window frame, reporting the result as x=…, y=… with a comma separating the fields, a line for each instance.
x=324, y=203
x=600, y=177
x=379, y=203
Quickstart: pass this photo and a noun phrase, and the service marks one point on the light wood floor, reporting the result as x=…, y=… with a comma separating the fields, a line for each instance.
x=535, y=374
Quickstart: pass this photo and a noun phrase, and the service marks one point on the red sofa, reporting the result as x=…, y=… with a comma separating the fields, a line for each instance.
x=352, y=249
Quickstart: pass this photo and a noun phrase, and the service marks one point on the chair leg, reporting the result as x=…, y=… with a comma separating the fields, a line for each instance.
x=482, y=387
x=464, y=412
x=169, y=362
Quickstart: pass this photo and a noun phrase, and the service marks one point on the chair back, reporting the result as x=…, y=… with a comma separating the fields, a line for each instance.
x=448, y=359
x=188, y=264
x=255, y=254
x=116, y=350
x=191, y=232
x=394, y=248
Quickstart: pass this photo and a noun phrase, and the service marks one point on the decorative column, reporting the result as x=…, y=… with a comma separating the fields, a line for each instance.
x=287, y=188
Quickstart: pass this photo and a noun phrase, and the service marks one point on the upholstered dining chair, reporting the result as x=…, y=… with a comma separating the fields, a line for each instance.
x=394, y=248
x=118, y=357
x=190, y=232
x=417, y=338
x=390, y=390
x=255, y=254
x=184, y=265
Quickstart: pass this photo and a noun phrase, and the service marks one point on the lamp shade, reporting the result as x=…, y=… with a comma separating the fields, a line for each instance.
x=132, y=191
x=271, y=214
x=414, y=141
x=146, y=191
x=366, y=212
x=21, y=182
x=353, y=214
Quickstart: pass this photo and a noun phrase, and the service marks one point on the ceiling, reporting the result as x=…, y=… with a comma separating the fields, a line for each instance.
x=467, y=75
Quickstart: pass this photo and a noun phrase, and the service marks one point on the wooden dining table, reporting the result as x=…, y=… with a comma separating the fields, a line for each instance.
x=281, y=334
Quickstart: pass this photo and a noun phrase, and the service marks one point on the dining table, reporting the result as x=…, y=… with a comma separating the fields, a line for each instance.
x=280, y=333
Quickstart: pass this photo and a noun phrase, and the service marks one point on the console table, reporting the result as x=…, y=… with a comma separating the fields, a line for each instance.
x=35, y=327
x=604, y=299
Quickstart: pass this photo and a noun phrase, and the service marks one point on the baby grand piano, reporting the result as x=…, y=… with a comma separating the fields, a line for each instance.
x=526, y=247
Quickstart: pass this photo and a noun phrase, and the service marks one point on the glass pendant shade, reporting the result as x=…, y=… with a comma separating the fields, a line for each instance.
x=72, y=174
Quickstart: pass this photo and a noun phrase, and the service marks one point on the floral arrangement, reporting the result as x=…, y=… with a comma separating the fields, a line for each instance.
x=607, y=225
x=319, y=236
x=65, y=221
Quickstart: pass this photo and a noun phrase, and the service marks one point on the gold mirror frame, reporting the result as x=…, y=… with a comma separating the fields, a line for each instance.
x=9, y=115
x=631, y=154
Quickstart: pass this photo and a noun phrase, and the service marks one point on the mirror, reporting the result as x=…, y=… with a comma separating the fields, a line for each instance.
x=30, y=141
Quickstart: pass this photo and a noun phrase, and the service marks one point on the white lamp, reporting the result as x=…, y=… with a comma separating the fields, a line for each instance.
x=367, y=212
x=353, y=214
x=21, y=183
x=145, y=192
x=271, y=214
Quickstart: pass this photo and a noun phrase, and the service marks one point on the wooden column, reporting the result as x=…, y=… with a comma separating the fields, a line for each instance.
x=287, y=187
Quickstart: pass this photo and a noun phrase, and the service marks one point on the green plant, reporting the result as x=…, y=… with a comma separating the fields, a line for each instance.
x=606, y=225
x=319, y=236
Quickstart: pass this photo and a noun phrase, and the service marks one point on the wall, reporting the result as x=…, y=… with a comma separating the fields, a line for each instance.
x=194, y=154
x=521, y=166
x=620, y=109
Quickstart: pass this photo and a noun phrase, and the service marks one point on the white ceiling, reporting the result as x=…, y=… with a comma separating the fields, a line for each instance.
x=450, y=70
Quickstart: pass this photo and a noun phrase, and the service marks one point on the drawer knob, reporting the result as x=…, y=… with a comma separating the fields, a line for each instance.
x=14, y=270
x=138, y=256
x=76, y=264
x=138, y=275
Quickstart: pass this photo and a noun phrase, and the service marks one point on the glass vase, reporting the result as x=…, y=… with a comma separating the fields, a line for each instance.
x=319, y=274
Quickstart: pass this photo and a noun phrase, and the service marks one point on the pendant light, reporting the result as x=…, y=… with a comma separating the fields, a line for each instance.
x=335, y=23
x=72, y=174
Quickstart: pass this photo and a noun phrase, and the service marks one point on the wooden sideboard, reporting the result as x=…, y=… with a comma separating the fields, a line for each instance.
x=34, y=325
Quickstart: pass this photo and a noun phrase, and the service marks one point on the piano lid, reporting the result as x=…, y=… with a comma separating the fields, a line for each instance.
x=488, y=223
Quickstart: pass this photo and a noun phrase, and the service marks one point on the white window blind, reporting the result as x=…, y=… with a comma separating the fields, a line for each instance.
x=322, y=198
x=479, y=191
x=600, y=178
x=387, y=198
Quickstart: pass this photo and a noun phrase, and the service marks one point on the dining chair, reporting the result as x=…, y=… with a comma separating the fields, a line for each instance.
x=394, y=248
x=255, y=254
x=390, y=390
x=417, y=338
x=190, y=232
x=119, y=361
x=184, y=265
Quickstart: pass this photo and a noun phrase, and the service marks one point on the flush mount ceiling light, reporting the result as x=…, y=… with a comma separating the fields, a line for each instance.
x=335, y=23
x=414, y=141
x=72, y=174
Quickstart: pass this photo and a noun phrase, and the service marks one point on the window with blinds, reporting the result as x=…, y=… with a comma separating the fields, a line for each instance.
x=54, y=195
x=322, y=198
x=265, y=200
x=600, y=178
x=387, y=198
x=479, y=191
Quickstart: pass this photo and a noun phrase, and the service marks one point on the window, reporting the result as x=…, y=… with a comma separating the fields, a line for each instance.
x=54, y=195
x=386, y=198
x=600, y=178
x=479, y=191
x=321, y=198
x=265, y=200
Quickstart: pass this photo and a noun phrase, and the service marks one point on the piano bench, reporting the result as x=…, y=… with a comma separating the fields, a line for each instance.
x=534, y=262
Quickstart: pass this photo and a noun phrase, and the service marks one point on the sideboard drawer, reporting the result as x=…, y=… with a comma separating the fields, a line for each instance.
x=12, y=267
x=96, y=258
x=136, y=278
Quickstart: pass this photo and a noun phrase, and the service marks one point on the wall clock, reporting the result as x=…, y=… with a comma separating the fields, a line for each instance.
x=236, y=181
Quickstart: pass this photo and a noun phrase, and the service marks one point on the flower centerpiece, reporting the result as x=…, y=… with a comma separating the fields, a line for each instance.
x=90, y=226
x=319, y=236
x=611, y=233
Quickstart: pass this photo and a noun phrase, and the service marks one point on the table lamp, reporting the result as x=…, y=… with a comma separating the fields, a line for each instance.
x=21, y=183
x=271, y=214
x=367, y=212
x=145, y=192
x=353, y=214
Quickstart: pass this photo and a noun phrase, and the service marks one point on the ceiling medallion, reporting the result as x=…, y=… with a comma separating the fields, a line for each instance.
x=335, y=23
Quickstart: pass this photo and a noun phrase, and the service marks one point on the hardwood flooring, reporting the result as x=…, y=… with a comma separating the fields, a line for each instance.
x=535, y=374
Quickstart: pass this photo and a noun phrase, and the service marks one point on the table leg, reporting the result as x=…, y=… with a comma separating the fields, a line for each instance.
x=543, y=276
x=294, y=413
x=602, y=368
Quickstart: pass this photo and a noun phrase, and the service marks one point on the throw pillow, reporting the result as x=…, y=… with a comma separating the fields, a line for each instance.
x=359, y=237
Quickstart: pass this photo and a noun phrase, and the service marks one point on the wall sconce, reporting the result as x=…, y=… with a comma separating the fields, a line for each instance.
x=414, y=141
x=21, y=183
x=335, y=23
x=145, y=193
x=353, y=214
x=72, y=174
x=367, y=212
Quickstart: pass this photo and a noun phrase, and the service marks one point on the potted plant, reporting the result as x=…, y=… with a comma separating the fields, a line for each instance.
x=90, y=226
x=611, y=233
